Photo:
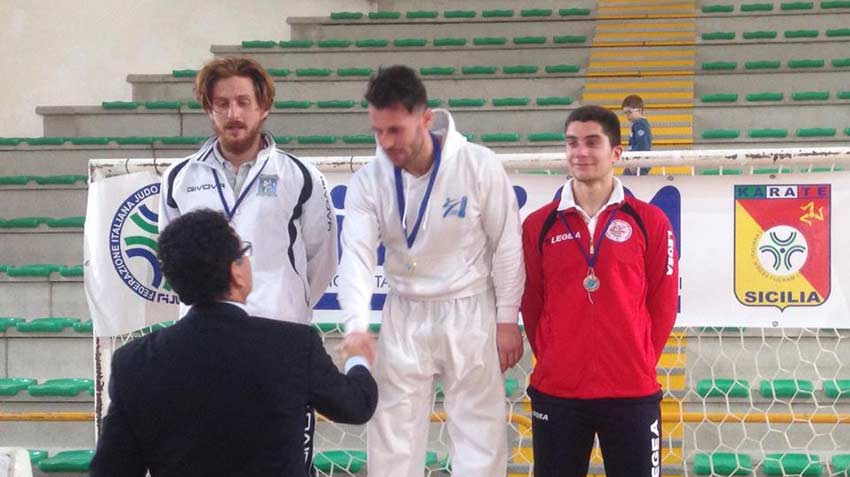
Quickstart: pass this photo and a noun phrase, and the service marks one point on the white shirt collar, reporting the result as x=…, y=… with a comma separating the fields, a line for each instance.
x=242, y=306
x=568, y=200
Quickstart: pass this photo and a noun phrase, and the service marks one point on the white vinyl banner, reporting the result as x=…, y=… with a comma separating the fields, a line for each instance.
x=755, y=250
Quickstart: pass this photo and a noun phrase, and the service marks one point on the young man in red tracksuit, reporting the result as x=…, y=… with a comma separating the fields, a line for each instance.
x=599, y=304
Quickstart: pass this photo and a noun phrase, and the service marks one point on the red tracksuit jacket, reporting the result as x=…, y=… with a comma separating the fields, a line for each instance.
x=607, y=348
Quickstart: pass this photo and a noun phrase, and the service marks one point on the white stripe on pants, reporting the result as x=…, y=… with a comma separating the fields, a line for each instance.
x=453, y=341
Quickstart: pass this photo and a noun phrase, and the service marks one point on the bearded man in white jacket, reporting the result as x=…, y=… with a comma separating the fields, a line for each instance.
x=448, y=217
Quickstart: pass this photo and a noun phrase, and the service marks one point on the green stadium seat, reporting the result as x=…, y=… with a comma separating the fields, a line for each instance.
x=60, y=179
x=840, y=464
x=835, y=4
x=546, y=137
x=810, y=95
x=296, y=44
x=181, y=140
x=796, y=6
x=293, y=104
x=760, y=97
x=194, y=104
x=67, y=461
x=840, y=62
x=14, y=180
x=23, y=222
x=561, y=69
x=574, y=12
x=434, y=102
x=535, y=12
x=336, y=104
x=3, y=268
x=719, y=35
x=422, y=14
x=782, y=464
x=721, y=134
x=89, y=141
x=816, y=132
x=313, y=72
x=837, y=388
x=497, y=13
x=489, y=40
x=316, y=139
x=384, y=15
x=501, y=102
x=800, y=34
x=9, y=141
x=719, y=98
x=72, y=271
x=718, y=8
x=554, y=101
x=762, y=65
x=372, y=43
x=449, y=41
x=520, y=70
x=46, y=325
x=500, y=137
x=466, y=102
x=723, y=463
x=37, y=455
x=767, y=133
x=561, y=39
x=12, y=386
x=756, y=7
x=346, y=15
x=437, y=71
x=771, y=170
x=723, y=387
x=806, y=63
x=134, y=140
x=759, y=35
x=410, y=42
x=67, y=222
x=45, y=141
x=459, y=14
x=68, y=387
x=83, y=326
x=42, y=270
x=127, y=105
x=479, y=70
x=719, y=65
x=354, y=72
x=278, y=72
x=359, y=139
x=7, y=322
x=264, y=44
x=334, y=43
x=786, y=388
x=529, y=40
x=836, y=32
x=331, y=461
x=283, y=139
x=184, y=73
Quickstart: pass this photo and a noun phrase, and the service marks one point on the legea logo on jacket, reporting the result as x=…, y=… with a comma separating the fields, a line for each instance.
x=454, y=207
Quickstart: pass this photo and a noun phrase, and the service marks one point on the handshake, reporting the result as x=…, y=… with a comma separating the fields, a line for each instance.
x=358, y=343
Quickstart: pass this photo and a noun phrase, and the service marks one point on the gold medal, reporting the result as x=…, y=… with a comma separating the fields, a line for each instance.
x=591, y=281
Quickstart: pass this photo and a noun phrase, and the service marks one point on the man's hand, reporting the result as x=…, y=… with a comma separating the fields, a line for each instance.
x=509, y=344
x=359, y=343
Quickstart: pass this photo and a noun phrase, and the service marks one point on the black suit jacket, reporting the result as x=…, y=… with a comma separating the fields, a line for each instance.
x=222, y=393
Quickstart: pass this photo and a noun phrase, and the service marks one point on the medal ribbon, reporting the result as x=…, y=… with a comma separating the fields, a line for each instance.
x=231, y=212
x=399, y=190
x=590, y=259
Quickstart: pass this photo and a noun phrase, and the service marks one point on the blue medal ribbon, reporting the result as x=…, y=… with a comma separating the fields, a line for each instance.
x=227, y=210
x=399, y=189
x=590, y=259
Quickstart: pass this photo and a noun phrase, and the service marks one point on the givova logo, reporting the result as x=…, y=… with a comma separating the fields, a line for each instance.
x=132, y=246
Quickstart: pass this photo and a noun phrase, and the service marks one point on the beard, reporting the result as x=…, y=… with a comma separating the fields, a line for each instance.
x=241, y=145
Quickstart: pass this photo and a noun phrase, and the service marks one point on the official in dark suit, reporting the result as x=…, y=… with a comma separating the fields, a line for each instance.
x=221, y=393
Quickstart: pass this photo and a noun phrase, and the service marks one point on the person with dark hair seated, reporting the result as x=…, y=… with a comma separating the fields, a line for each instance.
x=221, y=392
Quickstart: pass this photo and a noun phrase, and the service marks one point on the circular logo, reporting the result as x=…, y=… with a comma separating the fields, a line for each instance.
x=132, y=246
x=619, y=231
x=782, y=250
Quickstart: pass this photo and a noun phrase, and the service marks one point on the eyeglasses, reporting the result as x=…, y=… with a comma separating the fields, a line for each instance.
x=222, y=106
x=247, y=249
x=628, y=111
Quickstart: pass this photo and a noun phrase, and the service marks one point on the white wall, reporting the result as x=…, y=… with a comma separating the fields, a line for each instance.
x=74, y=52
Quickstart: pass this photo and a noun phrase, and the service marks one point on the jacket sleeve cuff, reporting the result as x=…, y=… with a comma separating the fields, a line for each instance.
x=356, y=361
x=507, y=314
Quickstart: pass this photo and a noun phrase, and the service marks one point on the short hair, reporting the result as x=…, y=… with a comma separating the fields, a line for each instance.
x=633, y=101
x=228, y=67
x=397, y=84
x=196, y=251
x=607, y=119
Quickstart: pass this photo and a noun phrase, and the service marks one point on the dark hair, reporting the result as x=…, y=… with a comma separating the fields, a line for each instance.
x=396, y=85
x=196, y=251
x=607, y=119
x=633, y=101
x=223, y=68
